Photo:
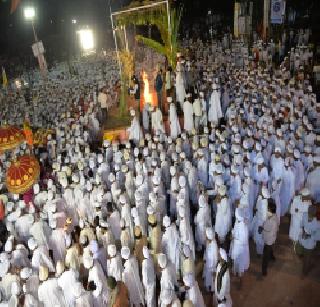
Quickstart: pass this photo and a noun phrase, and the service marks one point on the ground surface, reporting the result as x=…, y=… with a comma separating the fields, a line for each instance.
x=284, y=285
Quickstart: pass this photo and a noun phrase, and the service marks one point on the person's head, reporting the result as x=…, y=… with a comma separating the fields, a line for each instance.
x=272, y=208
x=112, y=283
x=92, y=286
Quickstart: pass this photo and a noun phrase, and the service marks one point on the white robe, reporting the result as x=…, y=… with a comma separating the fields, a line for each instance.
x=299, y=175
x=224, y=292
x=171, y=245
x=210, y=265
x=167, y=286
x=149, y=282
x=188, y=116
x=135, y=130
x=180, y=89
x=195, y=296
x=203, y=171
x=287, y=190
x=175, y=129
x=202, y=220
x=313, y=184
x=114, y=267
x=157, y=121
x=66, y=282
x=239, y=251
x=131, y=278
x=215, y=112
x=296, y=211
x=57, y=244
x=50, y=294
x=223, y=218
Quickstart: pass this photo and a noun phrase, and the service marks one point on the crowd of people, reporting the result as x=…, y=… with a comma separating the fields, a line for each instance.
x=127, y=224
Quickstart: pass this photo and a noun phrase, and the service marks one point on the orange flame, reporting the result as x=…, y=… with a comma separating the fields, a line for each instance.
x=146, y=93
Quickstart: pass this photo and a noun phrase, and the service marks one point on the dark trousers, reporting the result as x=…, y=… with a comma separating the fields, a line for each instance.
x=159, y=96
x=267, y=256
x=307, y=253
x=104, y=113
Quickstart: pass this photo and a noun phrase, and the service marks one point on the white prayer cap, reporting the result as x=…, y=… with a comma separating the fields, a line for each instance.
x=305, y=192
x=32, y=244
x=59, y=267
x=265, y=193
x=162, y=261
x=223, y=254
x=125, y=252
x=8, y=247
x=172, y=170
x=156, y=180
x=43, y=273
x=182, y=181
x=132, y=112
x=258, y=146
x=234, y=169
x=239, y=214
x=296, y=154
x=169, y=99
x=188, y=280
x=112, y=177
x=112, y=250
x=210, y=233
x=25, y=273
x=88, y=262
x=166, y=221
x=188, y=95
x=277, y=149
x=222, y=190
x=150, y=210
x=146, y=253
x=36, y=189
x=260, y=160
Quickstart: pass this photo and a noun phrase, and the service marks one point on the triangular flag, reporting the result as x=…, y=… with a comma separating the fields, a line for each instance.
x=14, y=5
x=4, y=78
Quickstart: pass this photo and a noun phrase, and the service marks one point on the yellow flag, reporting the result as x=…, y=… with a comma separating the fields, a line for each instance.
x=4, y=78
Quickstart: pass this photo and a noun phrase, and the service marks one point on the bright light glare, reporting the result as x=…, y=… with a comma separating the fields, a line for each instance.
x=74, y=21
x=86, y=39
x=29, y=13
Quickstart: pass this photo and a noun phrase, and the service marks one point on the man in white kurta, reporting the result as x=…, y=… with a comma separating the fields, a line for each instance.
x=148, y=278
x=131, y=277
x=239, y=251
x=175, y=129
x=210, y=258
x=215, y=112
x=188, y=114
x=157, y=121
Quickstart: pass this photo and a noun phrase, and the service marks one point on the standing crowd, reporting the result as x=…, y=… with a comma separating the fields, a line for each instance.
x=128, y=224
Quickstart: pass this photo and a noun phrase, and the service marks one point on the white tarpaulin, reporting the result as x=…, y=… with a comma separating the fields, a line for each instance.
x=277, y=11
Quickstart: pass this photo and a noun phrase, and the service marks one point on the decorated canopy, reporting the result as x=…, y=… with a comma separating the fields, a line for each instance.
x=10, y=137
x=22, y=174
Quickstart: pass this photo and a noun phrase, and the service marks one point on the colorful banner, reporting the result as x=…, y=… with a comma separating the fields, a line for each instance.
x=277, y=11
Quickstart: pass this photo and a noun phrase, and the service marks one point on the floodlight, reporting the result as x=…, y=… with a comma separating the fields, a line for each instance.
x=86, y=39
x=29, y=13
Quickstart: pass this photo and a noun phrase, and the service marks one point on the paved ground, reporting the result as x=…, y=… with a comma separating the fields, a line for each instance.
x=284, y=285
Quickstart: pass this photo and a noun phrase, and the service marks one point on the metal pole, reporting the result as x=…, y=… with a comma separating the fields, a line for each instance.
x=169, y=24
x=34, y=32
x=125, y=38
x=115, y=41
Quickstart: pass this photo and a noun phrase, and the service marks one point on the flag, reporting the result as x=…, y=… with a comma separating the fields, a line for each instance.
x=14, y=5
x=4, y=78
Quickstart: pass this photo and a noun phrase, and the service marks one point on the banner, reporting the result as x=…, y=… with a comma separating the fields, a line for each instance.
x=277, y=11
x=236, y=19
